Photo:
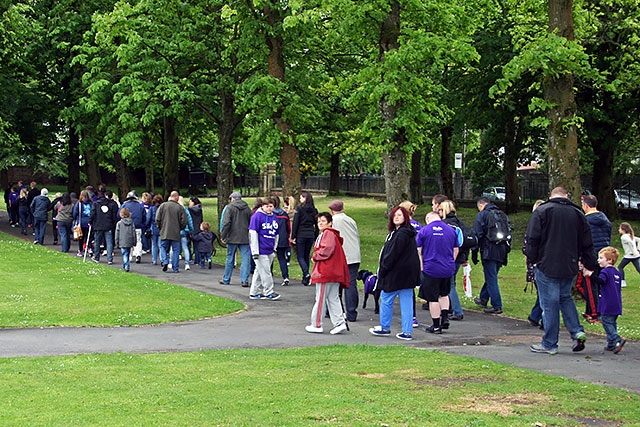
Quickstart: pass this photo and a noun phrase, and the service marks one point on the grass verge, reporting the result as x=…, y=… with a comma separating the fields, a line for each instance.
x=346, y=386
x=42, y=287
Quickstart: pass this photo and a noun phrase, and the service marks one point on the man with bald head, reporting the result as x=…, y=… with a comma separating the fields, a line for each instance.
x=558, y=237
x=170, y=219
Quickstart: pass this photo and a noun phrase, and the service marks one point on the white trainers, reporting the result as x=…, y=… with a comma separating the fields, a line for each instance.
x=623, y=284
x=338, y=329
x=187, y=268
x=313, y=329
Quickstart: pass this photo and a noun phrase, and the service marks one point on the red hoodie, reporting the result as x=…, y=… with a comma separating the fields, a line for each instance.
x=330, y=264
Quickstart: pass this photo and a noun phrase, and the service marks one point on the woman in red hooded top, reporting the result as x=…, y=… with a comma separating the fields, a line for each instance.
x=330, y=271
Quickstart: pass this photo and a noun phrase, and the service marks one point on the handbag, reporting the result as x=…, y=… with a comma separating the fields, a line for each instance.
x=466, y=280
x=77, y=232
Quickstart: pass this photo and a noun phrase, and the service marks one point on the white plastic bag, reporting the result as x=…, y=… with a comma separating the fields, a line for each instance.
x=466, y=280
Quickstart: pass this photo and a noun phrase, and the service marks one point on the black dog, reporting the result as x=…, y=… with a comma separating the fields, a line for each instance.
x=369, y=284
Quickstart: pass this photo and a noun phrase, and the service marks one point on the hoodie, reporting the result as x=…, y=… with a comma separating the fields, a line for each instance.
x=329, y=261
x=600, y=230
x=125, y=233
x=263, y=233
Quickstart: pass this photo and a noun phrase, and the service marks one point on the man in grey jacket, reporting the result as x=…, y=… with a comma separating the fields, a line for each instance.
x=235, y=233
x=170, y=219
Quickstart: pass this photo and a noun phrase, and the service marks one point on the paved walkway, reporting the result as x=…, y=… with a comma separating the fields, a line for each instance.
x=280, y=324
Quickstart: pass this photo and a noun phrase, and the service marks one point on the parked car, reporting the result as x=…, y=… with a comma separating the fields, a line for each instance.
x=494, y=193
x=626, y=198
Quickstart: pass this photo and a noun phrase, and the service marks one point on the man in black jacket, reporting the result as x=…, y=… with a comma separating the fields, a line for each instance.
x=103, y=217
x=558, y=237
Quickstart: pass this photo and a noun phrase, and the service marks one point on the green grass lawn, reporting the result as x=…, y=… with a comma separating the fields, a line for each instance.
x=43, y=287
x=335, y=385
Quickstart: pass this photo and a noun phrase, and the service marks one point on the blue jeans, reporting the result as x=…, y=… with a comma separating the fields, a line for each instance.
x=406, y=309
x=245, y=267
x=39, y=227
x=126, y=254
x=155, y=248
x=490, y=290
x=107, y=237
x=203, y=257
x=456, y=307
x=24, y=218
x=610, y=325
x=64, y=228
x=186, y=251
x=303, y=251
x=174, y=247
x=555, y=297
x=536, y=310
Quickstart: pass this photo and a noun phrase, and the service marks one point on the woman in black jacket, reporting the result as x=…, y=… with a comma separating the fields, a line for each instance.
x=398, y=273
x=304, y=233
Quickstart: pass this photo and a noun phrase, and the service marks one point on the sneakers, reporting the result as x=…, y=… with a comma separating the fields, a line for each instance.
x=404, y=336
x=273, y=296
x=95, y=260
x=164, y=267
x=433, y=330
x=259, y=296
x=138, y=259
x=222, y=282
x=187, y=268
x=623, y=284
x=479, y=301
x=619, y=345
x=338, y=329
x=444, y=323
x=456, y=317
x=312, y=329
x=533, y=322
x=306, y=280
x=539, y=348
x=493, y=310
x=209, y=265
x=578, y=342
x=80, y=253
x=378, y=331
x=415, y=323
x=285, y=282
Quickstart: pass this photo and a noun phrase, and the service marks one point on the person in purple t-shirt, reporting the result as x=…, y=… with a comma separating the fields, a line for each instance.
x=610, y=301
x=437, y=248
x=263, y=240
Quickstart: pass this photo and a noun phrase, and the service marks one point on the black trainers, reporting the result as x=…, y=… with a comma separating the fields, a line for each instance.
x=479, y=301
x=493, y=310
x=578, y=342
x=444, y=323
x=433, y=330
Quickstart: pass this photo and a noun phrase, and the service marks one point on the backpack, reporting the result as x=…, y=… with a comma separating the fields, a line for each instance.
x=469, y=238
x=498, y=227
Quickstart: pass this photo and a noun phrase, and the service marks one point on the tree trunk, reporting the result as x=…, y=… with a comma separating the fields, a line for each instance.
x=225, y=145
x=149, y=179
x=446, y=135
x=92, y=169
x=394, y=160
x=73, y=184
x=289, y=155
x=512, y=148
x=334, y=176
x=415, y=182
x=170, y=181
x=122, y=176
x=562, y=134
x=602, y=179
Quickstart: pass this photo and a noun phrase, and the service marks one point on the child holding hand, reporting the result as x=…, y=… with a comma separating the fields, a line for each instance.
x=610, y=300
x=203, y=242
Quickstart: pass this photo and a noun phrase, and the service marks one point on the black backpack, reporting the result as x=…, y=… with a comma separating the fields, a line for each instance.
x=469, y=238
x=498, y=227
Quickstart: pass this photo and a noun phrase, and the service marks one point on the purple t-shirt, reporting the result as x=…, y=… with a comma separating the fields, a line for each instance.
x=610, y=301
x=437, y=240
x=267, y=228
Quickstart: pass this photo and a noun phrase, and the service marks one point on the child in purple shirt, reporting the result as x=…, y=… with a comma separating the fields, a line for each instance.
x=610, y=300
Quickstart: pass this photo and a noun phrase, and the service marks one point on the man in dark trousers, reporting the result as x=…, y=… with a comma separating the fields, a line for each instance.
x=558, y=236
x=103, y=218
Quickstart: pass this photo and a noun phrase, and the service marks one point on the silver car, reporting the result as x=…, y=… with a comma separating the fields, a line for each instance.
x=626, y=198
x=494, y=193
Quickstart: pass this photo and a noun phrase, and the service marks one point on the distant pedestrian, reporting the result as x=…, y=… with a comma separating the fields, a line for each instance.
x=40, y=212
x=610, y=300
x=235, y=233
x=630, y=244
x=64, y=218
x=351, y=244
x=263, y=239
x=104, y=216
x=139, y=218
x=171, y=218
x=126, y=237
x=203, y=244
x=304, y=233
x=81, y=217
x=284, y=245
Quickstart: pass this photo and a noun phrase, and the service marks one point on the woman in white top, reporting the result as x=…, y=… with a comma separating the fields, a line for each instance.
x=630, y=245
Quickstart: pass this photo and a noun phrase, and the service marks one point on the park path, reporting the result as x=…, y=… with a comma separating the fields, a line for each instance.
x=280, y=324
